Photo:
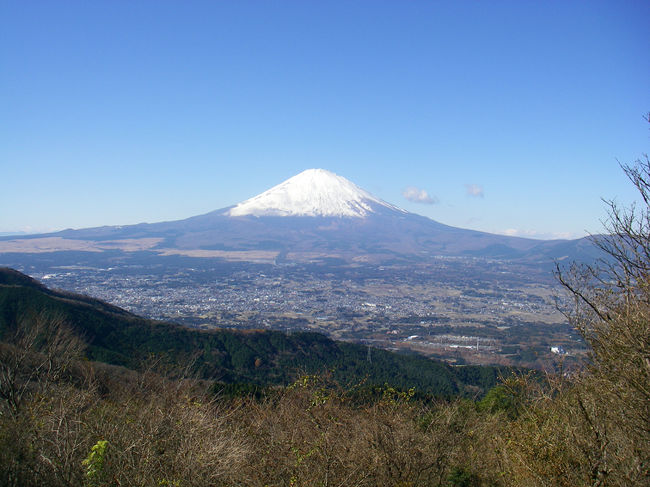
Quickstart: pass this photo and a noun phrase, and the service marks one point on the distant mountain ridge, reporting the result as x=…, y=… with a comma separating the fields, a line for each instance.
x=312, y=216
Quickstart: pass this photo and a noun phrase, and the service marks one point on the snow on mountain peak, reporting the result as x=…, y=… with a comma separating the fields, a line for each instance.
x=314, y=192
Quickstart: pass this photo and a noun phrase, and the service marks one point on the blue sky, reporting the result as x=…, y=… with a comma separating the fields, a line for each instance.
x=507, y=117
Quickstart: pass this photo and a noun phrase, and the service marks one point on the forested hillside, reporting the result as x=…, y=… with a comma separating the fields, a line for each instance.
x=117, y=337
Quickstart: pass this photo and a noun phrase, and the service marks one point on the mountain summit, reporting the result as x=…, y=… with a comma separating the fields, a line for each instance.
x=314, y=192
x=315, y=216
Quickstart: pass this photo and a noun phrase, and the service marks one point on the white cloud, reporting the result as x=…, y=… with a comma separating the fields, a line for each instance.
x=418, y=195
x=474, y=190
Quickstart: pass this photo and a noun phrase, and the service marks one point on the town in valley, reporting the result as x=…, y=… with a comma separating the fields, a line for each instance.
x=459, y=309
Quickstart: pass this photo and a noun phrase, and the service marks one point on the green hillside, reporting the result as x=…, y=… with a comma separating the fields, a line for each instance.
x=117, y=337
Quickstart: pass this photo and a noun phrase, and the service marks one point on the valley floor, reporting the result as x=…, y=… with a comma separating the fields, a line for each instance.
x=460, y=310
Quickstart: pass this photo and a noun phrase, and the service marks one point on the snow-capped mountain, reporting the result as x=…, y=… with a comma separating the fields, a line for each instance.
x=314, y=192
x=313, y=216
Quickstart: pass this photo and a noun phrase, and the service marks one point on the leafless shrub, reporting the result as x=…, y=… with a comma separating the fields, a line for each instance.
x=38, y=352
x=611, y=308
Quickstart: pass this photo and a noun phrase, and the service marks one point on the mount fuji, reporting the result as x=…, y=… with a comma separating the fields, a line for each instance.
x=316, y=193
x=313, y=216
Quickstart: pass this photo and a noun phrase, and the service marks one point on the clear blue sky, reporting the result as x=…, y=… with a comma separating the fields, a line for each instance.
x=511, y=116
